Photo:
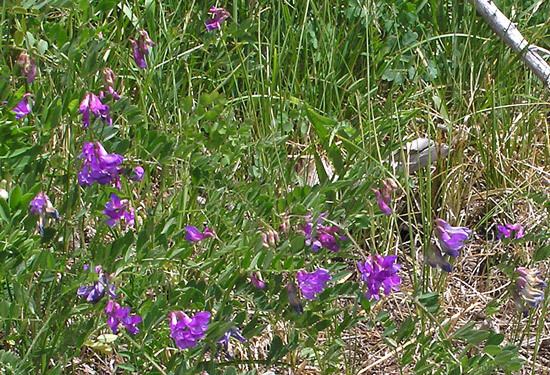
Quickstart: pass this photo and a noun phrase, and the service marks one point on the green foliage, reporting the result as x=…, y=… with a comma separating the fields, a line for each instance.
x=230, y=126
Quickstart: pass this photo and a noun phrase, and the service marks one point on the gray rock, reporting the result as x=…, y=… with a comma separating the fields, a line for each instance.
x=418, y=154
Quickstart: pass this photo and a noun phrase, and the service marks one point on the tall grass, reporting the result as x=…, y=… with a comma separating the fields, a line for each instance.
x=241, y=118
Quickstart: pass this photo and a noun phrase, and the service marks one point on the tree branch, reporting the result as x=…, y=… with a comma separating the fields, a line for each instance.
x=509, y=33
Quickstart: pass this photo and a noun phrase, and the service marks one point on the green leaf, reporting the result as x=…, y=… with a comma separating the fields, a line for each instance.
x=542, y=253
x=430, y=301
x=42, y=46
x=106, y=5
x=4, y=211
x=320, y=123
x=275, y=348
x=405, y=330
x=492, y=349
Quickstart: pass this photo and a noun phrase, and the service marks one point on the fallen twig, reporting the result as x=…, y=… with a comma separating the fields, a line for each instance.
x=509, y=33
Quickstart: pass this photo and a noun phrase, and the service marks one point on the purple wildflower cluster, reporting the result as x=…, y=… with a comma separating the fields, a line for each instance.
x=193, y=234
x=513, y=231
x=257, y=282
x=95, y=292
x=322, y=236
x=28, y=66
x=312, y=283
x=383, y=195
x=141, y=48
x=451, y=239
x=530, y=286
x=91, y=104
x=185, y=331
x=219, y=15
x=118, y=209
x=98, y=166
x=42, y=207
x=23, y=108
x=380, y=272
x=117, y=315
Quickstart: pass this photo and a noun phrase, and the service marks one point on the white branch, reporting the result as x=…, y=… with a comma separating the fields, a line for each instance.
x=509, y=33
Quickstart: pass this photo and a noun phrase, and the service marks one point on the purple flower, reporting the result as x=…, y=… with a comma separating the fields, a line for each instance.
x=92, y=104
x=312, y=283
x=22, y=108
x=186, y=331
x=40, y=205
x=141, y=48
x=451, y=239
x=322, y=236
x=218, y=16
x=530, y=286
x=109, y=83
x=193, y=234
x=28, y=66
x=121, y=315
x=231, y=332
x=379, y=272
x=514, y=231
x=383, y=195
x=93, y=293
x=118, y=209
x=294, y=298
x=256, y=281
x=137, y=174
x=98, y=166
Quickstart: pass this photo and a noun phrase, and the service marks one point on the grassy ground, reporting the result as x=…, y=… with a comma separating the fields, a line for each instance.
x=232, y=127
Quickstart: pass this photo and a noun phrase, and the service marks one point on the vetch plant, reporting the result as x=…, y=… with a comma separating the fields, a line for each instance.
x=23, y=108
x=312, y=283
x=41, y=206
x=322, y=236
x=98, y=166
x=383, y=195
x=109, y=83
x=188, y=331
x=256, y=281
x=514, y=231
x=141, y=48
x=91, y=104
x=117, y=209
x=28, y=66
x=95, y=292
x=451, y=239
x=231, y=332
x=137, y=174
x=530, y=286
x=219, y=15
x=193, y=234
x=378, y=273
x=248, y=127
x=117, y=315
